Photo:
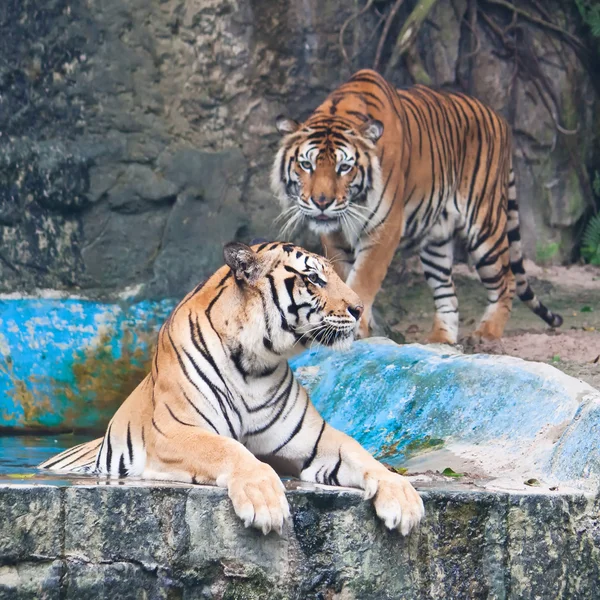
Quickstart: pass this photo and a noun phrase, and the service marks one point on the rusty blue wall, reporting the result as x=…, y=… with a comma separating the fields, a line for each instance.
x=68, y=364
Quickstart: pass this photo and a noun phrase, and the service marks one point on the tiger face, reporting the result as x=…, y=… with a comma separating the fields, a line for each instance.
x=322, y=174
x=301, y=296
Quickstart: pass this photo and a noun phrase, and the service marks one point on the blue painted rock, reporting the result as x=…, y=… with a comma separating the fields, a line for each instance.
x=68, y=364
x=498, y=417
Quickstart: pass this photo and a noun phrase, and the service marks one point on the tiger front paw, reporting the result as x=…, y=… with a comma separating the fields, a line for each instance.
x=258, y=498
x=396, y=501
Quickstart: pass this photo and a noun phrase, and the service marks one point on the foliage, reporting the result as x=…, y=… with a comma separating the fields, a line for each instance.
x=590, y=243
x=596, y=183
x=590, y=13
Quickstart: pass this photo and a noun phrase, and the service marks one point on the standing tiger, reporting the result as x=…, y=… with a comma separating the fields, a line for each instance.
x=221, y=393
x=375, y=168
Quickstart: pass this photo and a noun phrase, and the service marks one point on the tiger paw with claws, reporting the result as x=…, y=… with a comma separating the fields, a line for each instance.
x=258, y=498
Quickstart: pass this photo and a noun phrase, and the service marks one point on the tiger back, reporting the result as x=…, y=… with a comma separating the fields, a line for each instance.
x=374, y=169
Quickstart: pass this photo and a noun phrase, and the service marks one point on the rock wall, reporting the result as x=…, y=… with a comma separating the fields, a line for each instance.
x=136, y=138
x=164, y=542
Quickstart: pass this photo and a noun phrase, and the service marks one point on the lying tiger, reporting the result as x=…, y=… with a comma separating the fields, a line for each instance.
x=375, y=168
x=221, y=393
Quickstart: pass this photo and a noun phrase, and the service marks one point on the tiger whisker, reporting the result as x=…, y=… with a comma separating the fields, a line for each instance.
x=292, y=224
x=286, y=213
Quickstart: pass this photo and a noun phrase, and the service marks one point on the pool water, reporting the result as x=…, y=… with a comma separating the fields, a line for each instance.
x=20, y=455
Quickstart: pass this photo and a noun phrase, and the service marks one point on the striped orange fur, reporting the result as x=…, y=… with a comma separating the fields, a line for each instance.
x=375, y=168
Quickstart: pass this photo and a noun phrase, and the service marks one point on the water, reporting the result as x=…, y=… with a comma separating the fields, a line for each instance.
x=20, y=455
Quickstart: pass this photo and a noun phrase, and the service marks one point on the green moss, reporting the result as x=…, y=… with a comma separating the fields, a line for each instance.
x=544, y=253
x=423, y=445
x=396, y=448
x=577, y=201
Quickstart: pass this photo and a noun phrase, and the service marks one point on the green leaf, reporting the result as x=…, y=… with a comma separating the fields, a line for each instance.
x=586, y=309
x=399, y=470
x=590, y=241
x=393, y=469
x=532, y=483
x=556, y=358
x=448, y=472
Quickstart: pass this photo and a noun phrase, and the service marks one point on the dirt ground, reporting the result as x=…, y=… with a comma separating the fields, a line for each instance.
x=405, y=305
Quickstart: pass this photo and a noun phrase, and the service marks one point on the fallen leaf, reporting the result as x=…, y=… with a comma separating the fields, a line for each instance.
x=20, y=475
x=586, y=309
x=589, y=329
x=595, y=361
x=399, y=470
x=448, y=472
x=532, y=483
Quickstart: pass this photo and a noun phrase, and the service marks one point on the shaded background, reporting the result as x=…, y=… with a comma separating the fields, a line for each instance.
x=136, y=137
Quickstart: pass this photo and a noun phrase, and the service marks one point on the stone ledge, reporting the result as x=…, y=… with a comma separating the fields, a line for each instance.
x=176, y=541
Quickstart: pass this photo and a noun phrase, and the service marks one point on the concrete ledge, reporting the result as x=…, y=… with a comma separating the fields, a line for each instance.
x=176, y=541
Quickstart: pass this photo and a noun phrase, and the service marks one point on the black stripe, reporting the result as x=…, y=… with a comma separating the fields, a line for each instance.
x=177, y=418
x=311, y=458
x=436, y=267
x=332, y=479
x=199, y=287
x=77, y=452
x=285, y=396
x=517, y=267
x=108, y=449
x=156, y=427
x=225, y=278
x=63, y=456
x=236, y=357
x=527, y=295
x=295, y=431
x=514, y=235
x=122, y=469
x=284, y=324
x=219, y=395
x=129, y=444
x=198, y=410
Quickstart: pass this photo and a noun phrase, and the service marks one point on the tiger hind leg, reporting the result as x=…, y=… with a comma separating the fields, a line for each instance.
x=437, y=257
x=492, y=261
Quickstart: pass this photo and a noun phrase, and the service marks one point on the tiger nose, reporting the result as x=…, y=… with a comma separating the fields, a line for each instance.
x=356, y=311
x=323, y=202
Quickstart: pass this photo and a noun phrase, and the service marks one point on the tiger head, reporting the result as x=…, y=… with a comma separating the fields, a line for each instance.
x=323, y=172
x=294, y=297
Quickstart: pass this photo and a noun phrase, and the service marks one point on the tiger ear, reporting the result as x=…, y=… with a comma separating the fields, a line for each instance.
x=243, y=261
x=372, y=130
x=285, y=125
